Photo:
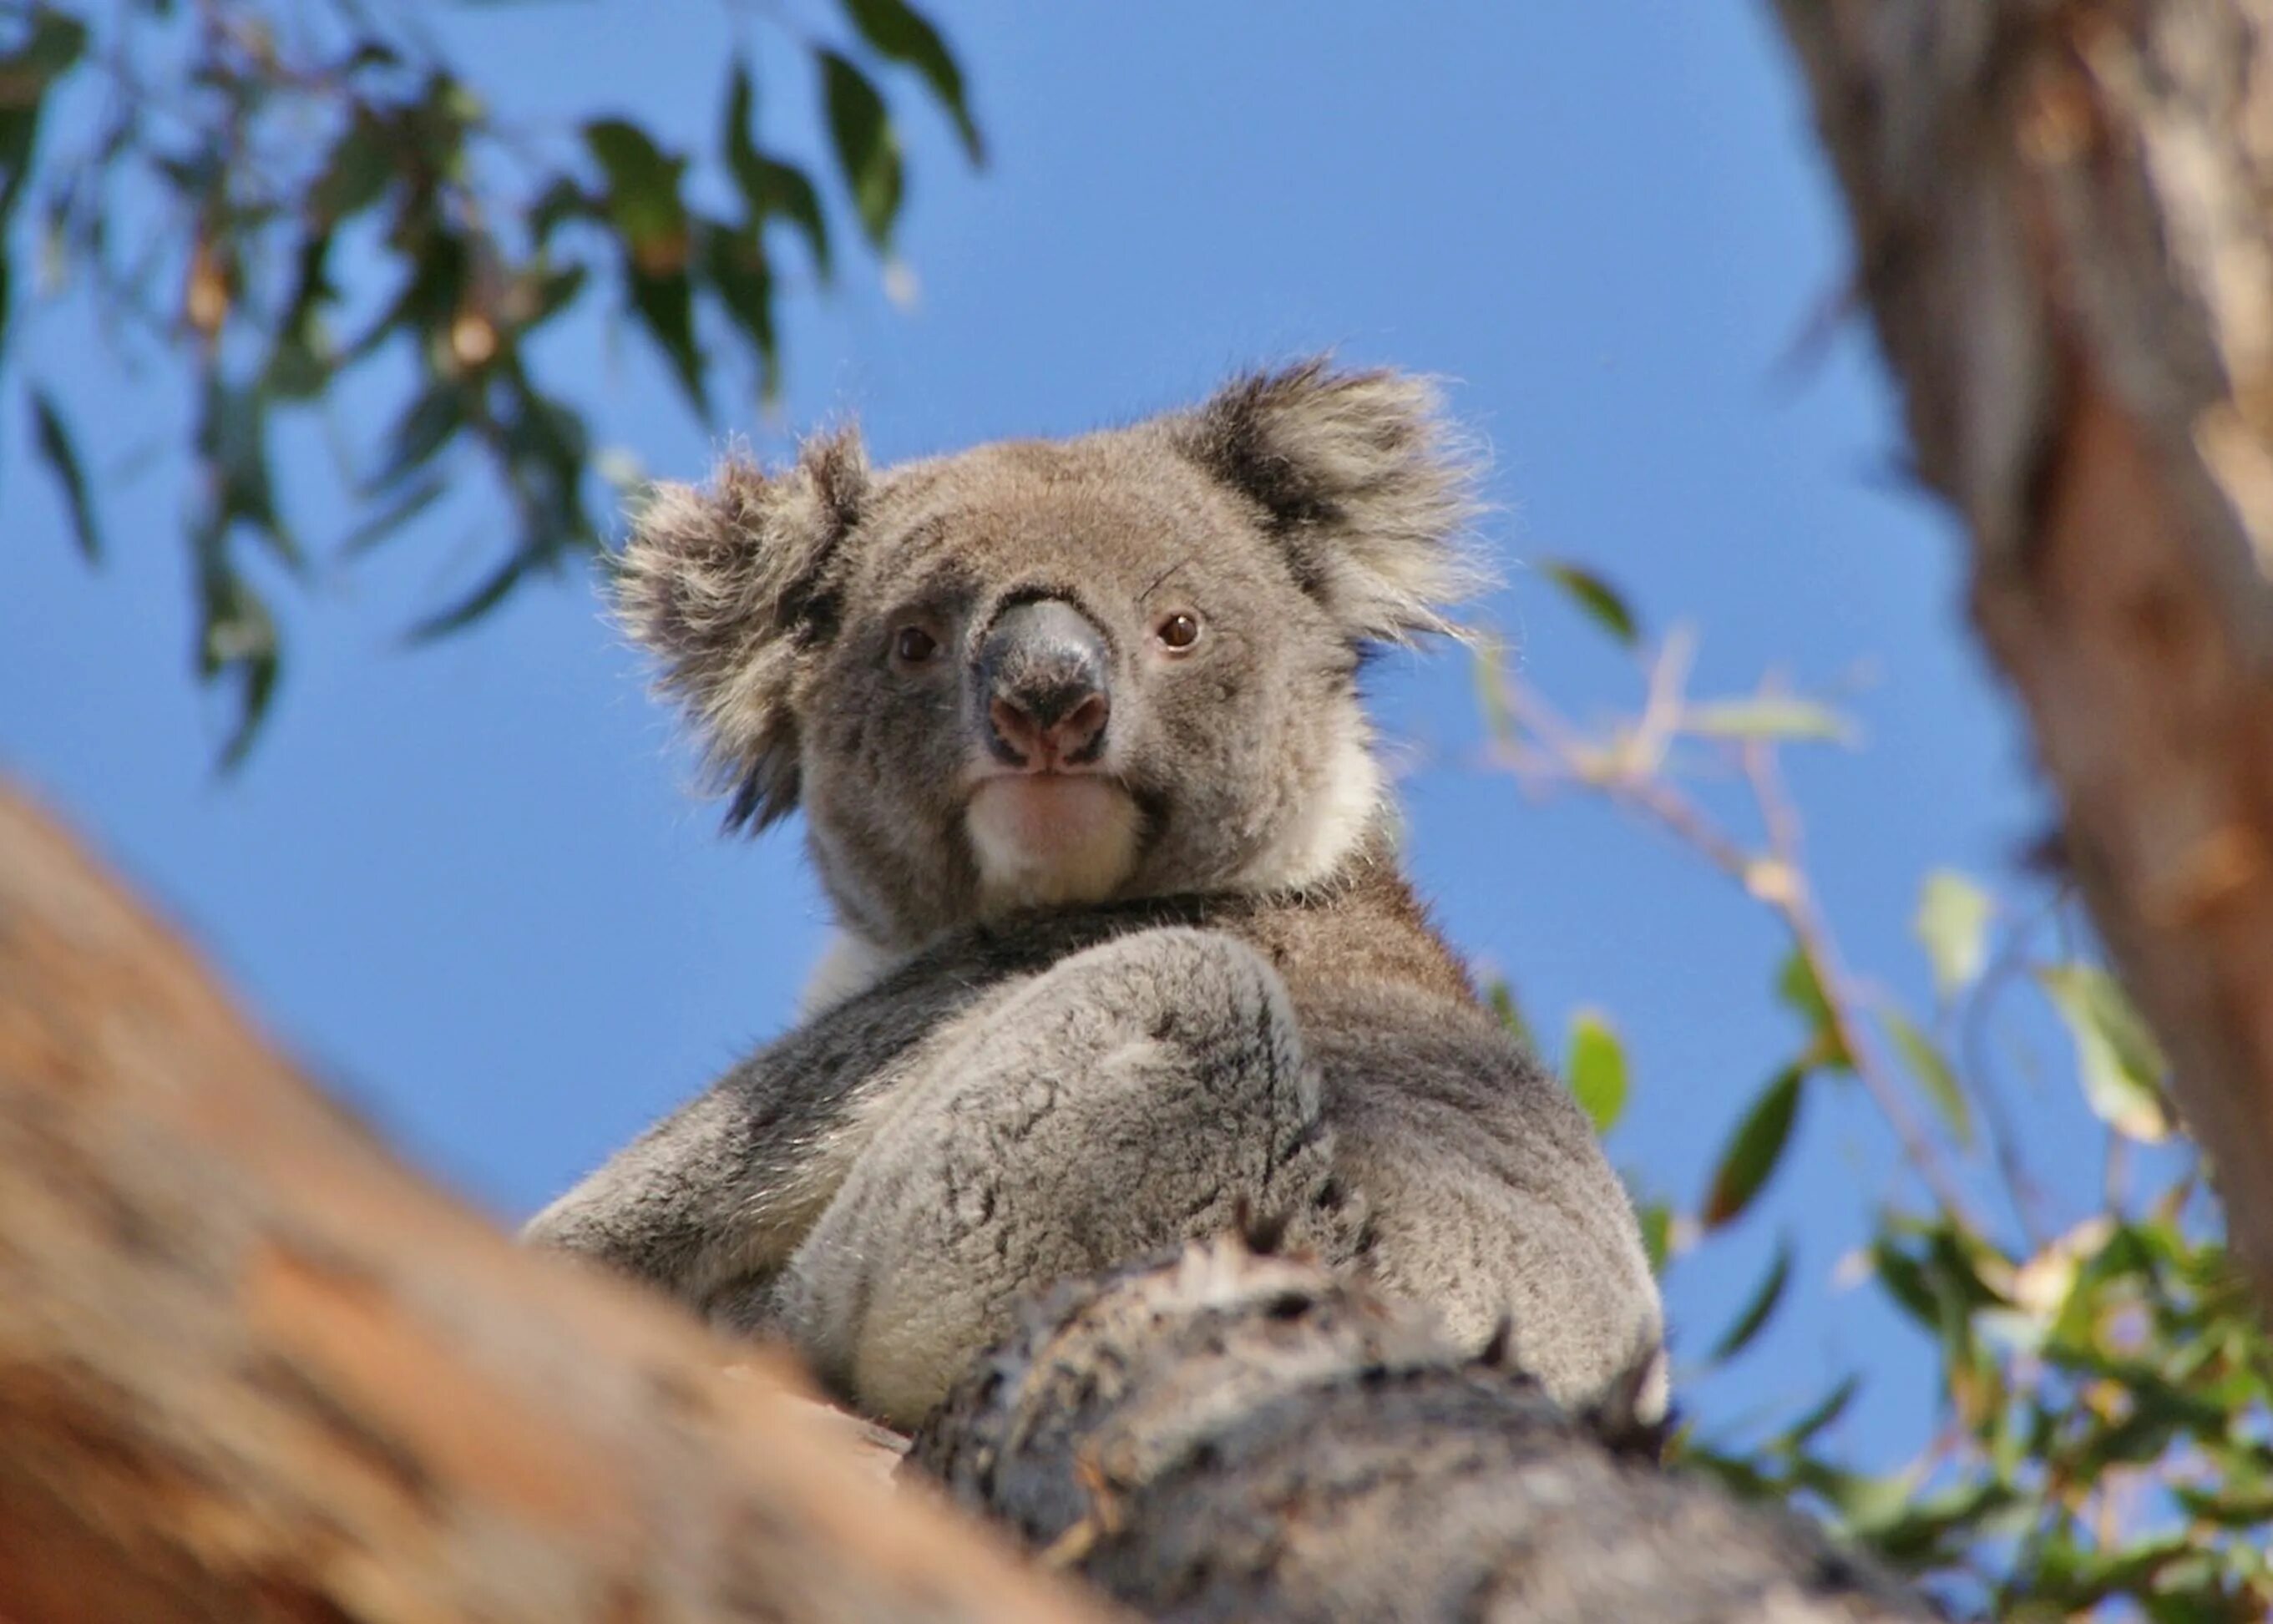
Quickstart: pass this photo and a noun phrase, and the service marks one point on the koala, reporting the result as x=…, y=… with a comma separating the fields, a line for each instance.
x=1125, y=950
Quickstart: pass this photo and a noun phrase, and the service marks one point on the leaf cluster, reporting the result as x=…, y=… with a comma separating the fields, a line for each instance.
x=277, y=199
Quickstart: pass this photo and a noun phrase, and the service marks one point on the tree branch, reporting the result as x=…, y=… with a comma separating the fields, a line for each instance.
x=250, y=1368
x=2062, y=234
x=1228, y=1436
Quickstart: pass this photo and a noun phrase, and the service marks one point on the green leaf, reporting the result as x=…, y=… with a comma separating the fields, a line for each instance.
x=236, y=636
x=1769, y=717
x=770, y=189
x=735, y=266
x=898, y=31
x=643, y=198
x=1953, y=925
x=1904, y=1279
x=1656, y=1221
x=1501, y=999
x=1597, y=1069
x=356, y=173
x=868, y=147
x=1755, y=1147
x=1802, y=991
x=491, y=591
x=1933, y=1073
x=1829, y=1409
x=405, y=505
x=1754, y=1318
x=232, y=437
x=53, y=48
x=425, y=426
x=1600, y=602
x=652, y=223
x=666, y=305
x=2118, y=1059
x=54, y=443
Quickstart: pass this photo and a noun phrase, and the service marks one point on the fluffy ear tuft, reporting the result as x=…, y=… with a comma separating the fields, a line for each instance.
x=1367, y=486
x=730, y=590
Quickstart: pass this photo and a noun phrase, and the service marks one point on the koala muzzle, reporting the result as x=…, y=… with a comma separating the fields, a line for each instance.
x=1042, y=687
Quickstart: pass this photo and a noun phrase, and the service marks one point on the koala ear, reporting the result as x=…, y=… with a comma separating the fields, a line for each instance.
x=730, y=590
x=1366, y=485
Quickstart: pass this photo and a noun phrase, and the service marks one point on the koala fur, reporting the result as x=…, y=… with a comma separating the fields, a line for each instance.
x=1075, y=729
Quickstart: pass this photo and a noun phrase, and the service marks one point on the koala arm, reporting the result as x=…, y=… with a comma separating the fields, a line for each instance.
x=1490, y=1201
x=1138, y=1094
x=723, y=1188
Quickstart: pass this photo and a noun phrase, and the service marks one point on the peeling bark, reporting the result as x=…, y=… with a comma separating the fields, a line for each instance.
x=2060, y=209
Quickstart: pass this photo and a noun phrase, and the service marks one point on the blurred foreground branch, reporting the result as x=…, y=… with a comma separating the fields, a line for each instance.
x=251, y=1368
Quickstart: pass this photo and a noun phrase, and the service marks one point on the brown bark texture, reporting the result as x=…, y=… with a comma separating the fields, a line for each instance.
x=1230, y=1436
x=2061, y=217
x=250, y=1368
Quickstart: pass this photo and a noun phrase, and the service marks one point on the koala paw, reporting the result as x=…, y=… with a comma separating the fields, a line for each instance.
x=1145, y=1092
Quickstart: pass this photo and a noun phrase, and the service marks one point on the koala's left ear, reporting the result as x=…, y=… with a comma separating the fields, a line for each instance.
x=1366, y=485
x=730, y=589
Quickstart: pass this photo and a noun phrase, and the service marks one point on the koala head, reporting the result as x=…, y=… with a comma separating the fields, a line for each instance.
x=1061, y=671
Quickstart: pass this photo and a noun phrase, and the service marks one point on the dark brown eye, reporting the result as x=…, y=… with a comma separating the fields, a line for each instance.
x=913, y=645
x=1178, y=631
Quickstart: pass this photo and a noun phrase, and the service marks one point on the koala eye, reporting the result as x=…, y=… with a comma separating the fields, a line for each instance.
x=1178, y=631
x=912, y=645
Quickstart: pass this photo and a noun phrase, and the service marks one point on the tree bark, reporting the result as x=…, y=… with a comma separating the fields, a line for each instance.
x=2060, y=210
x=1234, y=1437
x=250, y=1368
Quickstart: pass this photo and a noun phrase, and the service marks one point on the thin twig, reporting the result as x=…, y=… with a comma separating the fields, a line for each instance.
x=1795, y=903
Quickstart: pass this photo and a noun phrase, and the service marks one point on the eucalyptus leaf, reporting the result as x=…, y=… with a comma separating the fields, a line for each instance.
x=1826, y=1409
x=54, y=46
x=1759, y=1309
x=1500, y=997
x=1754, y=1149
x=1933, y=1073
x=868, y=147
x=1953, y=925
x=356, y=173
x=1802, y=991
x=53, y=440
x=486, y=596
x=643, y=198
x=735, y=266
x=1601, y=602
x=896, y=30
x=770, y=189
x=2119, y=1062
x=1597, y=1069
x=1769, y=717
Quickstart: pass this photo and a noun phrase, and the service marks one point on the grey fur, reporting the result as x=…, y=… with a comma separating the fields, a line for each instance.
x=1228, y=998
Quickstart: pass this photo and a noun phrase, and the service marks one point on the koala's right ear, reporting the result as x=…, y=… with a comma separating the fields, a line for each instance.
x=730, y=589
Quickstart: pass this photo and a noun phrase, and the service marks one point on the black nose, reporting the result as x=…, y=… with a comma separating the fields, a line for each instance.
x=1042, y=688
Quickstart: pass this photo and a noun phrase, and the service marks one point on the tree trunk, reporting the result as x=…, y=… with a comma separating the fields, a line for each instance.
x=250, y=1368
x=2061, y=208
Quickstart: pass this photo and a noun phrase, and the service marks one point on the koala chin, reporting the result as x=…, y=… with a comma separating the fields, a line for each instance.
x=1043, y=841
x=1074, y=730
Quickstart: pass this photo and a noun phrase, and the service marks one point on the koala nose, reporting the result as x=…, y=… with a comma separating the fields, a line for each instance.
x=1042, y=685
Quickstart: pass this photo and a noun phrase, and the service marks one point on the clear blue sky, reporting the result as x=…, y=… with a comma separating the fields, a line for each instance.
x=467, y=886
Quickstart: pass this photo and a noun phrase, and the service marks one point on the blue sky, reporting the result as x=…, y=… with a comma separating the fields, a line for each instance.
x=466, y=883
